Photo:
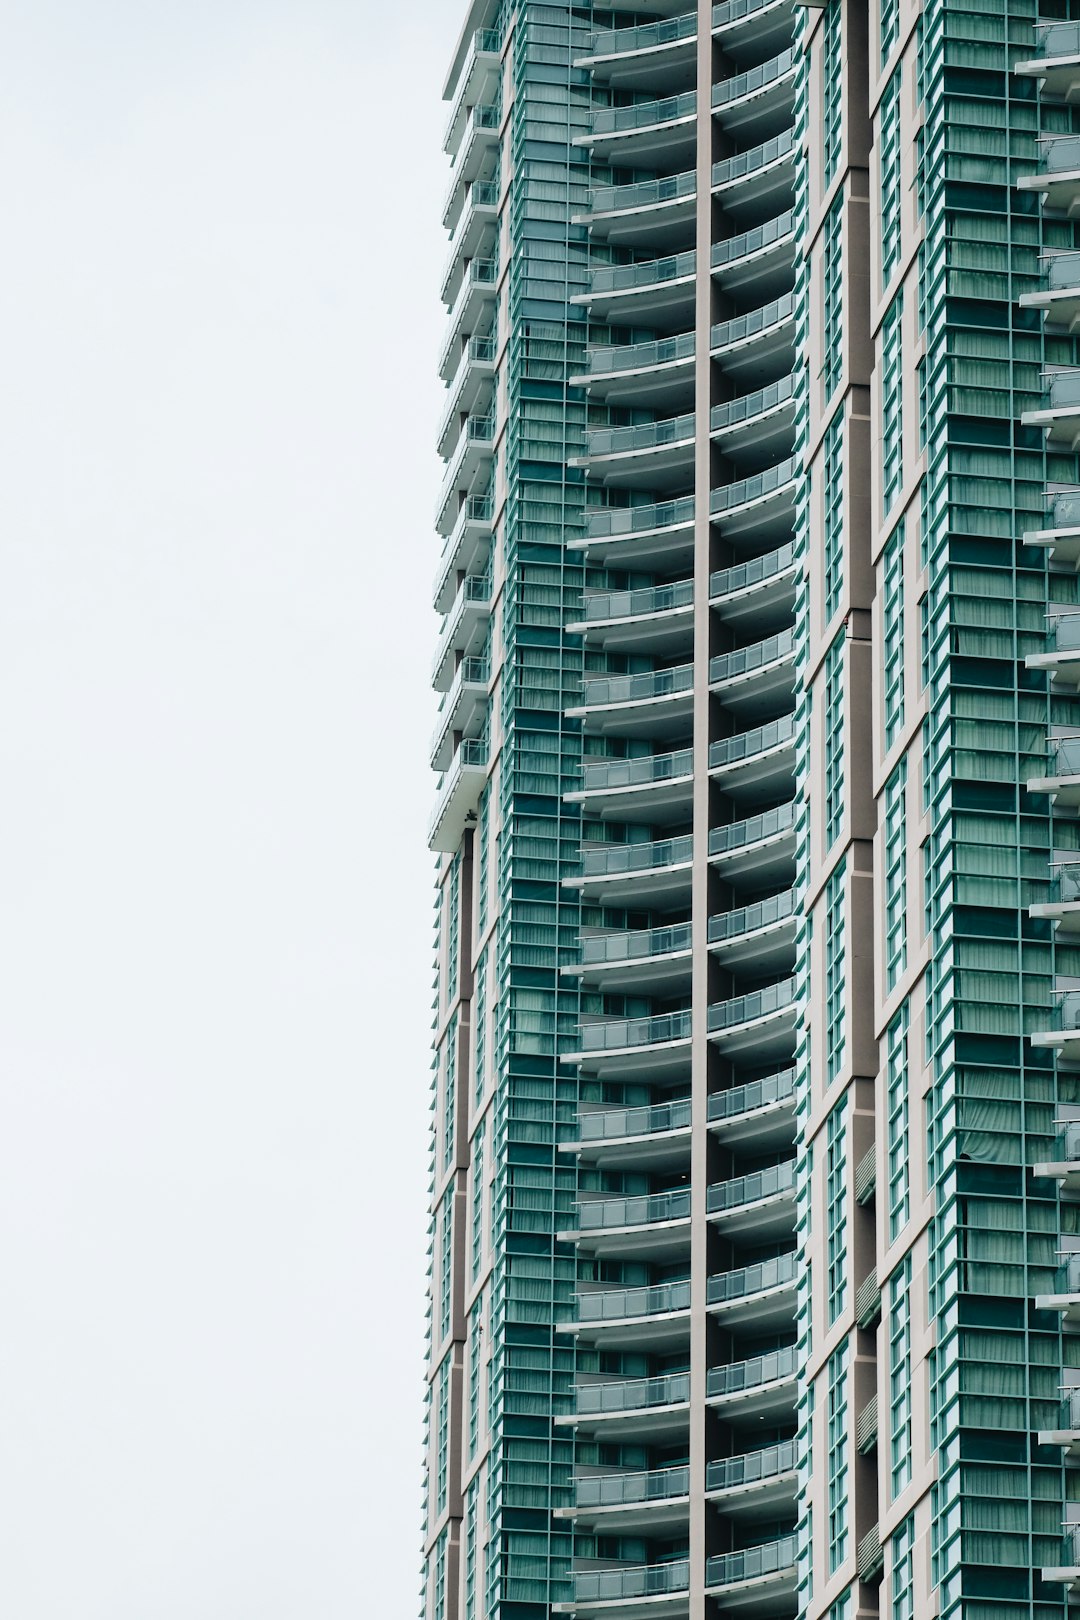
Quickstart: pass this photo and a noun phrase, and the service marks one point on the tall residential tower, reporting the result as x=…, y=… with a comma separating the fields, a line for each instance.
x=755, y=1212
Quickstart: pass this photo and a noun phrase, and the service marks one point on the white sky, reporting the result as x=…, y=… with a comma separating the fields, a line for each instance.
x=218, y=332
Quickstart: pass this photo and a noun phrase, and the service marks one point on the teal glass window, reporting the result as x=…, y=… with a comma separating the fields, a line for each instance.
x=442, y=1436
x=834, y=514
x=483, y=836
x=900, y=1377
x=889, y=160
x=896, y=875
x=897, y=1082
x=478, y=1200
x=471, y=1514
x=446, y=1257
x=833, y=90
x=835, y=975
x=834, y=741
x=841, y=1609
x=833, y=295
x=889, y=29
x=450, y=1094
x=476, y=1340
x=903, y=1571
x=892, y=616
x=892, y=404
x=453, y=923
x=480, y=1004
x=438, y=1582
x=836, y=1210
x=838, y=1458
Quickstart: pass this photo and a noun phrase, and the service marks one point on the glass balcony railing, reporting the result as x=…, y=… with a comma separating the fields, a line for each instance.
x=655, y=683
x=1060, y=153
x=774, y=998
x=474, y=588
x=614, y=1034
x=1064, y=1013
x=648, y=1209
x=611, y=521
x=625, y=1304
x=636, y=1581
x=753, y=1564
x=636, y=945
x=747, y=1099
x=748, y=242
x=470, y=672
x=646, y=36
x=1063, y=631
x=746, y=744
x=646, y=436
x=637, y=604
x=477, y=351
x=1063, y=757
x=1063, y=387
x=607, y=278
x=1067, y=1276
x=761, y=1278
x=1062, y=269
x=741, y=1376
x=485, y=42
x=607, y=860
x=734, y=411
x=1068, y=1417
x=1064, y=888
x=607, y=357
x=644, y=114
x=613, y=1124
x=744, y=660
x=632, y=1394
x=778, y=312
x=644, y=193
x=756, y=78
x=731, y=11
x=754, y=830
x=727, y=581
x=751, y=1189
x=1066, y=1145
x=1057, y=39
x=755, y=488
x=754, y=158
x=749, y=919
x=752, y=1467
x=473, y=752
x=624, y=1490
x=644, y=771
x=1069, y=1553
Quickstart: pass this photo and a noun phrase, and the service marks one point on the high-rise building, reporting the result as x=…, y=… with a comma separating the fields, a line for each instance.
x=755, y=1278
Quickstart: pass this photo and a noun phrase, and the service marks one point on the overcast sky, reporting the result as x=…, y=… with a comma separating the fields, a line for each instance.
x=219, y=324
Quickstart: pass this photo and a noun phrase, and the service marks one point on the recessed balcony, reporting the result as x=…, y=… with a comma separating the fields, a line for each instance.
x=761, y=1111
x=458, y=795
x=638, y=1591
x=755, y=1483
x=647, y=290
x=657, y=455
x=654, y=1135
x=762, y=1202
x=654, y=787
x=1062, y=902
x=763, y=585
x=625, y=1318
x=756, y=427
x=463, y=710
x=644, y=134
x=758, y=181
x=763, y=933
x=464, y=628
x=1056, y=59
x=473, y=308
x=763, y=503
x=760, y=342
x=759, y=762
x=640, y=373
x=1060, y=418
x=1062, y=535
x=654, y=959
x=469, y=543
x=1062, y=779
x=643, y=213
x=760, y=848
x=1066, y=1430
x=656, y=1224
x=1061, y=660
x=642, y=1047
x=478, y=83
x=759, y=1580
x=761, y=1296
x=654, y=53
x=755, y=1391
x=761, y=259
x=632, y=1406
x=653, y=616
x=755, y=677
x=470, y=392
x=654, y=1501
x=763, y=1022
x=653, y=702
x=1057, y=180
x=1064, y=1297
x=477, y=153
x=762, y=99
x=656, y=534
x=652, y=873
x=1059, y=300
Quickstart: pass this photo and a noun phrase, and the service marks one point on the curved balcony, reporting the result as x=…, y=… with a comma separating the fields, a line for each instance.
x=458, y=795
x=761, y=1111
x=660, y=52
x=1062, y=902
x=763, y=585
x=761, y=848
x=758, y=182
x=621, y=1318
x=1062, y=779
x=1064, y=1297
x=640, y=373
x=763, y=502
x=463, y=710
x=642, y=959
x=756, y=427
x=762, y=1202
x=639, y=1591
x=656, y=1224
x=762, y=1022
x=1057, y=180
x=647, y=873
x=473, y=308
x=474, y=236
x=1066, y=1430
x=646, y=290
x=653, y=1134
x=463, y=630
x=470, y=392
x=761, y=1388
x=761, y=1296
x=1060, y=418
x=759, y=20
x=761, y=761
x=656, y=534
x=658, y=455
x=758, y=675
x=1062, y=536
x=762, y=933
x=760, y=342
x=643, y=212
x=657, y=787
x=654, y=702
x=636, y=1046
x=656, y=616
x=633, y=1406
x=756, y=1578
x=762, y=99
x=758, y=1482
x=1061, y=660
x=1059, y=300
x=655, y=1501
x=1063, y=1163
x=1056, y=59
x=761, y=259
x=644, y=134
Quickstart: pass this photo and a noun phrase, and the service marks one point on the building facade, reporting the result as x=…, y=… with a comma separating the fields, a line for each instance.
x=755, y=1214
